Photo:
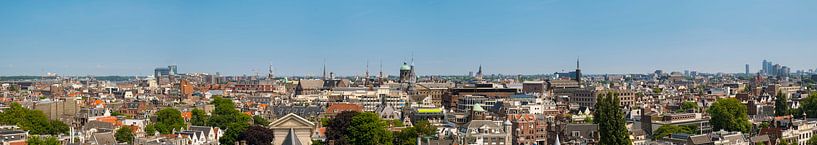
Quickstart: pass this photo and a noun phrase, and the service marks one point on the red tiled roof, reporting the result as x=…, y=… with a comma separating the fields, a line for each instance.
x=187, y=115
x=337, y=108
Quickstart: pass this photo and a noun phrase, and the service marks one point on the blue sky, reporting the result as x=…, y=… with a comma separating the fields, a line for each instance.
x=117, y=37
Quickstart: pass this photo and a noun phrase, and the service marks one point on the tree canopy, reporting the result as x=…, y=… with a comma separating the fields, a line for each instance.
x=37, y=140
x=812, y=140
x=730, y=115
x=34, y=121
x=259, y=120
x=150, y=129
x=169, y=119
x=667, y=130
x=688, y=105
x=808, y=106
x=257, y=135
x=198, y=117
x=368, y=128
x=124, y=134
x=781, y=106
x=337, y=127
x=610, y=118
x=226, y=116
x=408, y=136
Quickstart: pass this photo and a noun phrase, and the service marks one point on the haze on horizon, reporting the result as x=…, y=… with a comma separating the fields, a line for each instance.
x=444, y=37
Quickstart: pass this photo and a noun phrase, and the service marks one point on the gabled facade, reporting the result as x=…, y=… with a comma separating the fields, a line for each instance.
x=292, y=126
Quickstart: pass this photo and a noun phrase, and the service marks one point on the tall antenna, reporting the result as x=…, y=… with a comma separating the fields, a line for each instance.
x=366, y=80
x=380, y=77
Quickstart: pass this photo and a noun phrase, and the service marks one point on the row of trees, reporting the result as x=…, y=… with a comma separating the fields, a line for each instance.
x=224, y=116
x=38, y=140
x=33, y=121
x=368, y=128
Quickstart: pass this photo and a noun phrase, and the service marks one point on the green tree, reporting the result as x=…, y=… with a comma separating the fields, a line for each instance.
x=730, y=115
x=667, y=130
x=34, y=121
x=37, y=140
x=657, y=90
x=337, y=128
x=367, y=128
x=169, y=119
x=783, y=142
x=409, y=135
x=781, y=106
x=259, y=120
x=317, y=142
x=812, y=140
x=226, y=116
x=397, y=123
x=809, y=106
x=688, y=105
x=124, y=134
x=764, y=124
x=150, y=129
x=116, y=113
x=258, y=135
x=198, y=117
x=612, y=126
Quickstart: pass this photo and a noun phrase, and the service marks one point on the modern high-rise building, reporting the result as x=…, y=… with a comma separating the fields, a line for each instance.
x=747, y=69
x=772, y=69
x=173, y=69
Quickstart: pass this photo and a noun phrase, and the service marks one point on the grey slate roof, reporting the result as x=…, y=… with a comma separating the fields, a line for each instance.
x=104, y=138
x=292, y=138
x=204, y=129
x=99, y=125
x=311, y=84
x=760, y=138
x=305, y=111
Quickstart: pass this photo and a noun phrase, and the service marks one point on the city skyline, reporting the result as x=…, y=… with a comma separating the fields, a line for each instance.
x=443, y=37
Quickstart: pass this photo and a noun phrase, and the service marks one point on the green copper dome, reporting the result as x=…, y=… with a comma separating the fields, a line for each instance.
x=405, y=67
x=478, y=108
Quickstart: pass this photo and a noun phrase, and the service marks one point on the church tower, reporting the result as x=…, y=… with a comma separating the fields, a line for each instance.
x=578, y=73
x=479, y=76
x=405, y=71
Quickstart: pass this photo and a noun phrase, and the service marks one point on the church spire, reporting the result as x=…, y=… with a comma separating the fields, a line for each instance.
x=479, y=74
x=270, y=75
x=324, y=69
x=366, y=79
x=577, y=63
x=380, y=77
x=578, y=73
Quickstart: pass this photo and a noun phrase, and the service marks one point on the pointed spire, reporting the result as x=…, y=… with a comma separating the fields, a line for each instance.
x=577, y=63
x=480, y=69
x=324, y=69
x=380, y=78
x=366, y=79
